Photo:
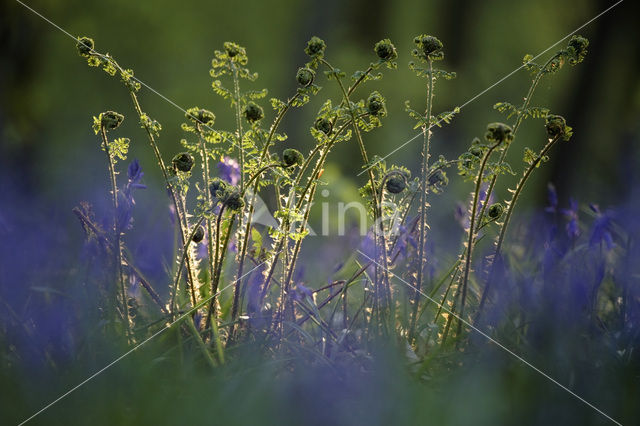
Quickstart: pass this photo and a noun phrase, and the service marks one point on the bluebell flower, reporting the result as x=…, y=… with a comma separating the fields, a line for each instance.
x=125, y=195
x=135, y=174
x=573, y=228
x=368, y=249
x=172, y=213
x=405, y=238
x=197, y=320
x=298, y=274
x=482, y=195
x=202, y=251
x=461, y=214
x=125, y=212
x=229, y=170
x=133, y=291
x=304, y=291
x=552, y=197
x=602, y=226
x=368, y=246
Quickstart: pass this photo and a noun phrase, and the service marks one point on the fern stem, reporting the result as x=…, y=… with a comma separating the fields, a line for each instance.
x=219, y=261
x=324, y=150
x=245, y=241
x=310, y=189
x=472, y=219
x=519, y=119
x=180, y=215
x=507, y=219
x=116, y=231
x=236, y=88
x=426, y=136
x=205, y=182
x=377, y=211
x=181, y=263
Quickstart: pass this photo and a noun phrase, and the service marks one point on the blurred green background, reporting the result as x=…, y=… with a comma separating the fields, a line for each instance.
x=49, y=94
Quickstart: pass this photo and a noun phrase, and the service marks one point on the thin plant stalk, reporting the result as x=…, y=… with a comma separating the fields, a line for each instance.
x=518, y=191
x=247, y=233
x=236, y=88
x=379, y=239
x=472, y=219
x=181, y=263
x=205, y=181
x=426, y=142
x=176, y=283
x=116, y=230
x=180, y=215
x=219, y=260
x=508, y=213
x=516, y=126
x=324, y=150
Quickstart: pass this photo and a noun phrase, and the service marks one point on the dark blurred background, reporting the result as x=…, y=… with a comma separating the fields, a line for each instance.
x=48, y=150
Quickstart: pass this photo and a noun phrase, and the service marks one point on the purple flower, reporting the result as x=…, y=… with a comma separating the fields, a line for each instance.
x=368, y=251
x=304, y=291
x=197, y=320
x=125, y=195
x=483, y=194
x=552, y=197
x=133, y=291
x=461, y=214
x=135, y=174
x=172, y=213
x=229, y=170
x=405, y=238
x=573, y=228
x=368, y=246
x=202, y=250
x=602, y=226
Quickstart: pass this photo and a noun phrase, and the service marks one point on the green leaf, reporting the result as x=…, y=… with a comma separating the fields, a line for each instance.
x=256, y=238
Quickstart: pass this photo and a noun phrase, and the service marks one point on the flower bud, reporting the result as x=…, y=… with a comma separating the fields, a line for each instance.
x=476, y=151
x=305, y=76
x=234, y=201
x=183, y=162
x=428, y=45
x=323, y=125
x=385, y=50
x=218, y=188
x=201, y=115
x=85, y=46
x=375, y=104
x=198, y=235
x=315, y=47
x=253, y=112
x=438, y=178
x=233, y=49
x=396, y=184
x=495, y=211
x=111, y=120
x=292, y=157
x=577, y=49
x=499, y=133
x=556, y=127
